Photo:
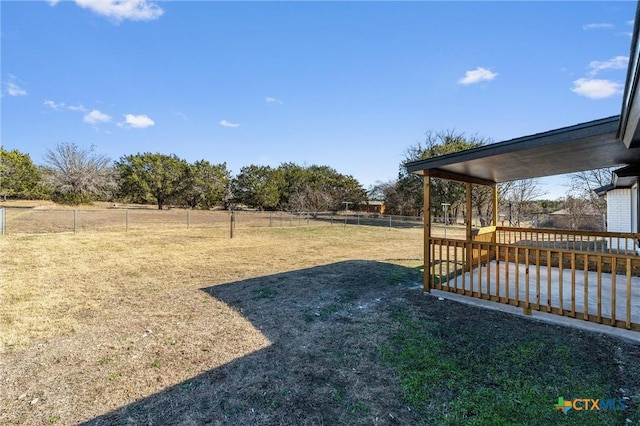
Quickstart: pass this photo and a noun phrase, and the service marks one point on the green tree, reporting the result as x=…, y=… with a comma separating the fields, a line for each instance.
x=347, y=189
x=164, y=178
x=78, y=175
x=295, y=182
x=258, y=187
x=208, y=185
x=549, y=206
x=19, y=177
x=410, y=187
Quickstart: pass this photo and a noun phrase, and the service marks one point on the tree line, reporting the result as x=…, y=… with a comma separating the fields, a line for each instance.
x=74, y=175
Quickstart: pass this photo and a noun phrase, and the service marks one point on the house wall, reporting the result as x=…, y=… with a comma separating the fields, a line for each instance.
x=619, y=210
x=372, y=207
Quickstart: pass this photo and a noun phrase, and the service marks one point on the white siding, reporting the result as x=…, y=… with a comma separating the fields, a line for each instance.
x=619, y=210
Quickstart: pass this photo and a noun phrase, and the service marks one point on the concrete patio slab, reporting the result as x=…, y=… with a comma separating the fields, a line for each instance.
x=550, y=283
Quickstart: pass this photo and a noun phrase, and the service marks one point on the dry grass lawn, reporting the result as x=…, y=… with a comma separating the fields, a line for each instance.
x=294, y=326
x=94, y=321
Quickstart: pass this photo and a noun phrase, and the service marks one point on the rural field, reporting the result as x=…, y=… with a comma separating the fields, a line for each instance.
x=321, y=325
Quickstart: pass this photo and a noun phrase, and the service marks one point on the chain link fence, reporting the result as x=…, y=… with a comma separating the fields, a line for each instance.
x=16, y=220
x=577, y=222
x=28, y=220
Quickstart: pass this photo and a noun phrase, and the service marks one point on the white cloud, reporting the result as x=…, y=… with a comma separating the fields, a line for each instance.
x=138, y=121
x=598, y=26
x=95, y=117
x=80, y=108
x=119, y=10
x=12, y=87
x=596, y=88
x=271, y=101
x=630, y=22
x=52, y=2
x=477, y=75
x=619, y=62
x=225, y=123
x=53, y=105
x=62, y=106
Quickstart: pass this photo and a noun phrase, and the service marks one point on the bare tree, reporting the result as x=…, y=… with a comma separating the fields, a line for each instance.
x=584, y=183
x=580, y=215
x=78, y=175
x=518, y=196
x=312, y=200
x=388, y=192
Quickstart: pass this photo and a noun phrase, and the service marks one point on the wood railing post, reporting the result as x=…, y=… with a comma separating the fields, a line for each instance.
x=469, y=260
x=426, y=276
x=232, y=224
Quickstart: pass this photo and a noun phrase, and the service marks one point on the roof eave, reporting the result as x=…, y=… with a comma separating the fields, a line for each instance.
x=602, y=128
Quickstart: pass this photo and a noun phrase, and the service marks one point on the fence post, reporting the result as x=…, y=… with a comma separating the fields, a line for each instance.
x=2, y=221
x=232, y=223
x=358, y=218
x=270, y=219
x=75, y=220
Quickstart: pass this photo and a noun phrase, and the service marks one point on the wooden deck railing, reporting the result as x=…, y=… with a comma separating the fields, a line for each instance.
x=592, y=276
x=603, y=242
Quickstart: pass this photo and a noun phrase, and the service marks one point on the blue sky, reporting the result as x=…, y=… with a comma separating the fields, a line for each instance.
x=345, y=84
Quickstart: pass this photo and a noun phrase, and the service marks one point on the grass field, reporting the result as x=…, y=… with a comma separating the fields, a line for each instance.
x=309, y=325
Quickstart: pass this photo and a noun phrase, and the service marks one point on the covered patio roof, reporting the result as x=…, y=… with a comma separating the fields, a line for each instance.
x=570, y=149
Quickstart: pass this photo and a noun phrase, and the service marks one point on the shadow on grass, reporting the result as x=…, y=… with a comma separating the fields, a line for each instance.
x=356, y=342
x=322, y=366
